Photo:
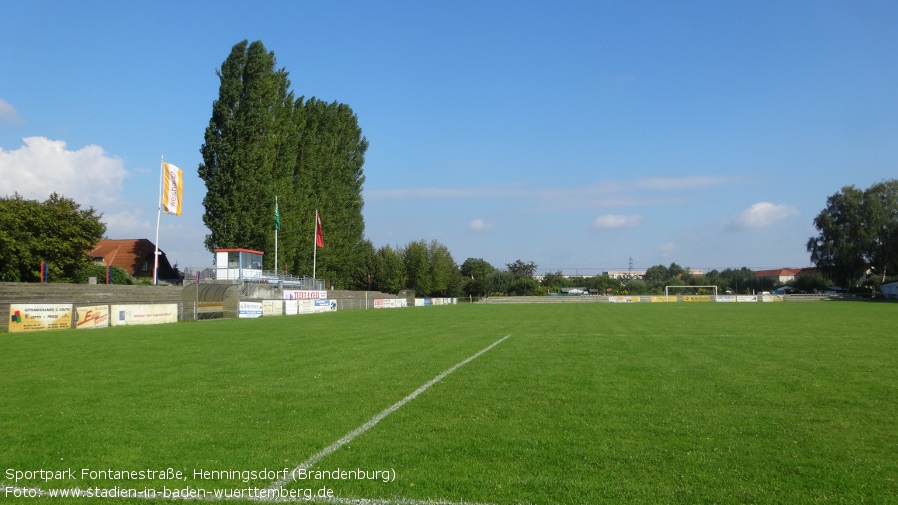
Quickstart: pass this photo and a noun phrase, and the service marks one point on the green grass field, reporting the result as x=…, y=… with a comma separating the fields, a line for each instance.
x=583, y=403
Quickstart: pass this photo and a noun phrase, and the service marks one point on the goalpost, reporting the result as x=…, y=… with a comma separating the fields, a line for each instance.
x=696, y=288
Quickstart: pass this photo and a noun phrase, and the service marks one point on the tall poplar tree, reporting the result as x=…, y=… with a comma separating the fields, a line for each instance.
x=328, y=177
x=249, y=150
x=262, y=143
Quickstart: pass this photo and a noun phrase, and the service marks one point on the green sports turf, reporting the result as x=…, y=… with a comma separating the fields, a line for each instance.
x=583, y=403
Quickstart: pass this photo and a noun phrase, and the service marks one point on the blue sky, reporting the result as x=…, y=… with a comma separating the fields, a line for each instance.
x=576, y=135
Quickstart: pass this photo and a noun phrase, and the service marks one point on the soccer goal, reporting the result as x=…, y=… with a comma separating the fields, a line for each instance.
x=692, y=290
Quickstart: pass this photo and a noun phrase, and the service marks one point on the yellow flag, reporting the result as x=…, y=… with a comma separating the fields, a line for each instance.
x=172, y=189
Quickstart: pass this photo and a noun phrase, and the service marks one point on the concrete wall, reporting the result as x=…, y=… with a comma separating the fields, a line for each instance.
x=84, y=294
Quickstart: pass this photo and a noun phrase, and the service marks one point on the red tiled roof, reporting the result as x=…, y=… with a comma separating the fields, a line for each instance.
x=779, y=272
x=134, y=255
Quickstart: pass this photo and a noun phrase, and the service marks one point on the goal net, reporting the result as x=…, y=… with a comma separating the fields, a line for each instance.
x=710, y=291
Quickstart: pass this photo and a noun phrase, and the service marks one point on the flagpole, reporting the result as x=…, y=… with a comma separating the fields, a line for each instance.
x=277, y=226
x=158, y=215
x=314, y=248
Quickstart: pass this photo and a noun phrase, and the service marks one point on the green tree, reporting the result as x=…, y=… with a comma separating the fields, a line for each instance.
x=880, y=209
x=857, y=230
x=675, y=270
x=521, y=269
x=364, y=271
x=417, y=267
x=837, y=249
x=809, y=283
x=389, y=273
x=657, y=274
x=603, y=284
x=57, y=231
x=690, y=279
x=261, y=143
x=740, y=280
x=525, y=286
x=554, y=281
x=477, y=268
x=499, y=282
x=249, y=152
x=446, y=278
x=328, y=176
x=475, y=272
x=636, y=287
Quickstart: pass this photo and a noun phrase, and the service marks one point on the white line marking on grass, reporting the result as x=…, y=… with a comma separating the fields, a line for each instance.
x=305, y=465
x=278, y=485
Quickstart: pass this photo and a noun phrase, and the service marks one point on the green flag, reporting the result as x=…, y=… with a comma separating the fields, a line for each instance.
x=277, y=217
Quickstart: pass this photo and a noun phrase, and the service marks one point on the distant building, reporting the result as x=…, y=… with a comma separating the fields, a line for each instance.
x=778, y=276
x=889, y=289
x=625, y=274
x=133, y=255
x=640, y=274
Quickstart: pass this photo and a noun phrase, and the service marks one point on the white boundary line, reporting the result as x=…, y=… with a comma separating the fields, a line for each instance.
x=279, y=484
x=290, y=477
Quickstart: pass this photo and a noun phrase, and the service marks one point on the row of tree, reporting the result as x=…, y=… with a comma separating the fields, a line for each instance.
x=60, y=233
x=264, y=145
x=427, y=268
x=656, y=278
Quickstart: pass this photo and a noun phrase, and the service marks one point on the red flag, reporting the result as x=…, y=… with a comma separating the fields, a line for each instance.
x=319, y=234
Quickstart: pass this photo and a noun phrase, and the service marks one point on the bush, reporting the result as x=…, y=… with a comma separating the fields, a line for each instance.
x=810, y=283
x=118, y=275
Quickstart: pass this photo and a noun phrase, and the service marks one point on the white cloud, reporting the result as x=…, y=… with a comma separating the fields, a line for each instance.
x=8, y=113
x=479, y=225
x=42, y=166
x=611, y=221
x=602, y=194
x=761, y=215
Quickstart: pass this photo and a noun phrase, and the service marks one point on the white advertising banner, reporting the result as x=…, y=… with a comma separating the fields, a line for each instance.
x=726, y=298
x=746, y=298
x=40, y=316
x=304, y=295
x=149, y=313
x=391, y=303
x=325, y=305
x=248, y=310
x=272, y=307
x=315, y=306
x=291, y=307
x=94, y=316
